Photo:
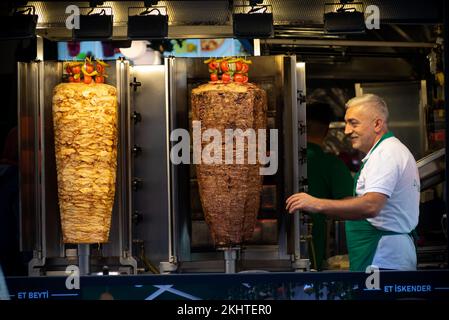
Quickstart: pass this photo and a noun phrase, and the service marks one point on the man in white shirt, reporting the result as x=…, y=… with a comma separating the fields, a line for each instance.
x=382, y=215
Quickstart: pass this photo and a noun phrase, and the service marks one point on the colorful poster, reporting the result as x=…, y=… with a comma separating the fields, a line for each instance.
x=78, y=50
x=196, y=48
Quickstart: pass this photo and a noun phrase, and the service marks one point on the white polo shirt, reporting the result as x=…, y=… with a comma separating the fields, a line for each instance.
x=392, y=171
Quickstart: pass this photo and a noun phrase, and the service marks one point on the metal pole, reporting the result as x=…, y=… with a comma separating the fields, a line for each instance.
x=170, y=122
x=83, y=259
x=230, y=256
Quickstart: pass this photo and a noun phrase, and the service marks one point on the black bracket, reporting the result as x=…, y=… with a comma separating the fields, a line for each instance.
x=137, y=183
x=94, y=3
x=137, y=217
x=302, y=155
x=300, y=97
x=303, y=182
x=254, y=3
x=136, y=150
x=301, y=127
x=136, y=117
x=135, y=84
x=150, y=3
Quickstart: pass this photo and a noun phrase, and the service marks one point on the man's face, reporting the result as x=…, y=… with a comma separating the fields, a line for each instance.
x=361, y=128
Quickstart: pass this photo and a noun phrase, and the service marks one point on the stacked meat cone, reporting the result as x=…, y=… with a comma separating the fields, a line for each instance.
x=230, y=193
x=85, y=127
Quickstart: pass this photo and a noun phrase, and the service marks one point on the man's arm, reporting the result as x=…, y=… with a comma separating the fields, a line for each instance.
x=363, y=207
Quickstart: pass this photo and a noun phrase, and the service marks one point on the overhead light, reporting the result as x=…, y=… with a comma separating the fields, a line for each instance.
x=344, y=20
x=19, y=24
x=150, y=23
x=253, y=21
x=95, y=25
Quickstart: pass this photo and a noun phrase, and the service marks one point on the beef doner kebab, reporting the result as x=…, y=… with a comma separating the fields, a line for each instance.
x=230, y=193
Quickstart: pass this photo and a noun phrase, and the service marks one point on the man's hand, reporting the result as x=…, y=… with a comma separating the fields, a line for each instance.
x=303, y=201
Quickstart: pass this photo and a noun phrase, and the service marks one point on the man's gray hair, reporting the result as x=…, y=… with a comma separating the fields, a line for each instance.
x=370, y=100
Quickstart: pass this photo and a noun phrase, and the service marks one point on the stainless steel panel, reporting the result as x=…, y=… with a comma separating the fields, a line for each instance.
x=40, y=223
x=124, y=155
x=29, y=189
x=301, y=257
x=151, y=200
x=113, y=246
x=405, y=105
x=291, y=153
x=124, y=206
x=179, y=118
x=50, y=73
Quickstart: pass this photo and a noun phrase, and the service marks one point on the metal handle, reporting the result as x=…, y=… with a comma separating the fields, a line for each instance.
x=135, y=84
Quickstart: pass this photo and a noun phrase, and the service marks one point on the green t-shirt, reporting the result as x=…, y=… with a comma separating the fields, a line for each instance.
x=329, y=178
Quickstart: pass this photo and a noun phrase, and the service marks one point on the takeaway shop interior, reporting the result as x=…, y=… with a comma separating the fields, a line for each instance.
x=151, y=219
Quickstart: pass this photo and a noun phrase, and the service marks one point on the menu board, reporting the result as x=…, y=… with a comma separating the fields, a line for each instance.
x=210, y=48
x=78, y=50
x=194, y=48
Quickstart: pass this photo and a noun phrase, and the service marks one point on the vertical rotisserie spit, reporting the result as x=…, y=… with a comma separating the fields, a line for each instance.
x=85, y=130
x=230, y=193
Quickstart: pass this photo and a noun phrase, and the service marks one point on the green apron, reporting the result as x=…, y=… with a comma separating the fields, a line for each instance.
x=361, y=236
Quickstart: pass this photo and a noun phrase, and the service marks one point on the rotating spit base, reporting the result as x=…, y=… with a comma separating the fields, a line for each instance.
x=84, y=259
x=230, y=258
x=87, y=258
x=301, y=265
x=168, y=267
